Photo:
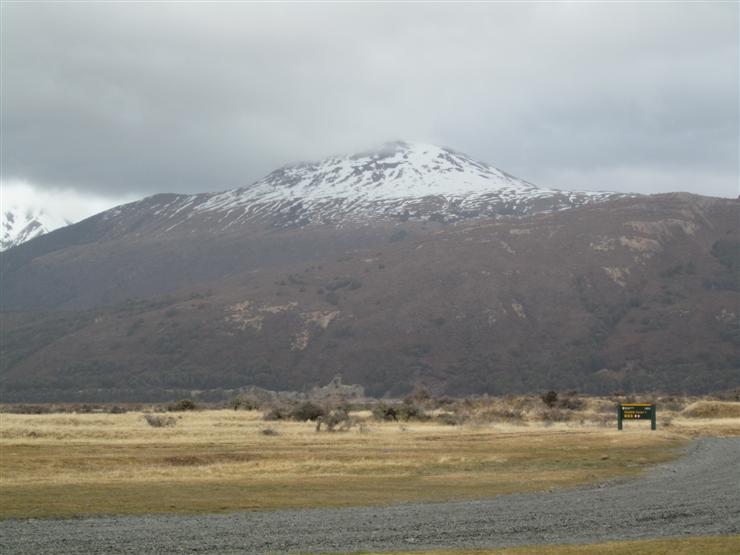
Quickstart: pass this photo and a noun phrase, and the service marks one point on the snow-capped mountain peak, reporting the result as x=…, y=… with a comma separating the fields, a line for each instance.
x=396, y=170
x=399, y=178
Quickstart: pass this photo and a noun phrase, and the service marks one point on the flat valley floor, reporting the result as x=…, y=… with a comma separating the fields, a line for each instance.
x=218, y=483
x=695, y=495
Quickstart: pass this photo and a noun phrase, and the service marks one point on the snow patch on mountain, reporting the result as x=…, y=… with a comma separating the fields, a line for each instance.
x=19, y=224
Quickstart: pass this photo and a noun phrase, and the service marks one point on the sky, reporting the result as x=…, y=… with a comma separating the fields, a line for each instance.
x=104, y=103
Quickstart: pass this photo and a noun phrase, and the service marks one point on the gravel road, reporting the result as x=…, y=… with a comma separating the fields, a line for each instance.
x=696, y=495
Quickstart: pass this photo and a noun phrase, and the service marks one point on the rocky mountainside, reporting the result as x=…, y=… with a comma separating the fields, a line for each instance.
x=181, y=294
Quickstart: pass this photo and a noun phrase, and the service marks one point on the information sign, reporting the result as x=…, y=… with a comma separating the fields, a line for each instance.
x=636, y=411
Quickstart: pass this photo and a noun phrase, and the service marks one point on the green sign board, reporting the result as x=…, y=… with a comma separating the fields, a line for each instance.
x=636, y=411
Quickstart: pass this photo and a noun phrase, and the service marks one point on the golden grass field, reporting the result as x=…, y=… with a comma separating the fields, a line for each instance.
x=220, y=460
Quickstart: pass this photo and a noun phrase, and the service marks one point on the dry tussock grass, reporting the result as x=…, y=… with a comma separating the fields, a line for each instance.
x=62, y=464
x=712, y=409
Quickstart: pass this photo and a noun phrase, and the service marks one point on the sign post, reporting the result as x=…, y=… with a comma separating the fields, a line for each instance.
x=636, y=411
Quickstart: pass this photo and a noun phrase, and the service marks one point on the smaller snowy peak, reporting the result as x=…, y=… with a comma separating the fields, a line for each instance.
x=19, y=224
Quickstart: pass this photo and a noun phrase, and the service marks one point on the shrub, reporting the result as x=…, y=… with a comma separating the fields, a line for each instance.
x=384, y=413
x=307, y=411
x=181, y=405
x=337, y=420
x=499, y=414
x=445, y=401
x=246, y=402
x=30, y=409
x=571, y=403
x=160, y=420
x=411, y=411
x=451, y=418
x=550, y=398
x=277, y=412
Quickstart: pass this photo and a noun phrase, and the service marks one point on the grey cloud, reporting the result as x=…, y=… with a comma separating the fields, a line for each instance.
x=193, y=97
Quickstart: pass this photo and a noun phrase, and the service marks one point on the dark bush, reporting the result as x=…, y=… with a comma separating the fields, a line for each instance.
x=29, y=409
x=550, y=398
x=411, y=411
x=182, y=405
x=246, y=402
x=306, y=411
x=384, y=412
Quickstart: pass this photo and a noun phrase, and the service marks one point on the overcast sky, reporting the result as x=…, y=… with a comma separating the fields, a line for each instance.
x=111, y=102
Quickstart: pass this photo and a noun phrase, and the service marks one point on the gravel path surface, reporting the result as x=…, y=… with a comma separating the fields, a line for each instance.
x=698, y=494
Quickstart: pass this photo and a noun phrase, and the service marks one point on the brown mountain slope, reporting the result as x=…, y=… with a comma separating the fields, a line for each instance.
x=630, y=294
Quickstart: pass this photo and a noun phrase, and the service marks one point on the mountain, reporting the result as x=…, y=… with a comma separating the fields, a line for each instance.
x=487, y=284
x=19, y=224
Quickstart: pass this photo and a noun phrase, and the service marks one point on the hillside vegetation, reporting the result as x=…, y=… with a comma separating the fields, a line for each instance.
x=630, y=294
